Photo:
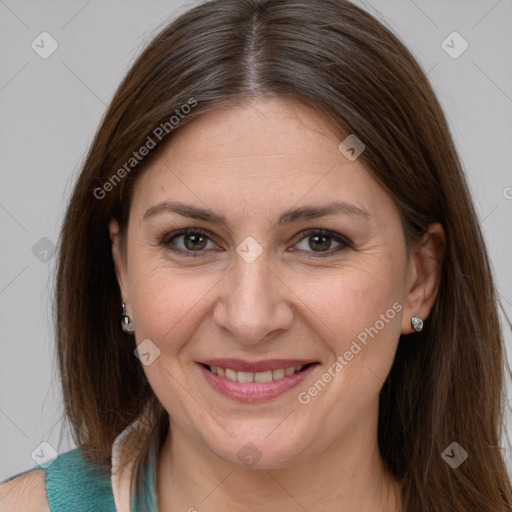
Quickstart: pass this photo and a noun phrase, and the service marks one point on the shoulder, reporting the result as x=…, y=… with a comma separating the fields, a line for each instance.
x=25, y=493
x=68, y=481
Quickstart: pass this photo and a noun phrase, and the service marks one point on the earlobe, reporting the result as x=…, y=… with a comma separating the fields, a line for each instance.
x=425, y=269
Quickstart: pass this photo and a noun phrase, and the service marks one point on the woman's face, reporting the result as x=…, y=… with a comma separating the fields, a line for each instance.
x=258, y=291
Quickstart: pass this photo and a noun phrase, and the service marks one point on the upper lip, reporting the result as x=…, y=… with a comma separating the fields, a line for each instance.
x=241, y=365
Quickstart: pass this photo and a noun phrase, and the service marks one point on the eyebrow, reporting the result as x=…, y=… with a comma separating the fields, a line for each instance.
x=289, y=216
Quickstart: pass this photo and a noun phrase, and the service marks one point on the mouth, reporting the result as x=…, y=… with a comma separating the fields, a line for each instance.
x=261, y=376
x=269, y=379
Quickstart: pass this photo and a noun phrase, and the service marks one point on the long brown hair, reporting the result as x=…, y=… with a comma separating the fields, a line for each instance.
x=446, y=383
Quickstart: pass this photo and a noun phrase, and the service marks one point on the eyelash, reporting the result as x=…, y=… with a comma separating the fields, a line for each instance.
x=344, y=242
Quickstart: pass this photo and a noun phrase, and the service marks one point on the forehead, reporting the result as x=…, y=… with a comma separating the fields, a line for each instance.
x=263, y=155
x=259, y=128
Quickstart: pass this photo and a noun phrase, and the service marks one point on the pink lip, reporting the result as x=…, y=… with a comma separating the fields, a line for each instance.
x=254, y=391
x=240, y=365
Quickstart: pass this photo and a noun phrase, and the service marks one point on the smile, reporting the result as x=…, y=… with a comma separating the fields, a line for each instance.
x=254, y=386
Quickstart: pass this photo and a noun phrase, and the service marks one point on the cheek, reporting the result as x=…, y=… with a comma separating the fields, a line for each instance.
x=167, y=302
x=353, y=295
x=361, y=302
x=374, y=324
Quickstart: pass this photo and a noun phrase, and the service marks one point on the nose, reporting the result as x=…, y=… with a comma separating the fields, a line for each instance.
x=254, y=303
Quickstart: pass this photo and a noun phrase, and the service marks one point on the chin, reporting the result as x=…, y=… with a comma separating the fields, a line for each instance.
x=259, y=451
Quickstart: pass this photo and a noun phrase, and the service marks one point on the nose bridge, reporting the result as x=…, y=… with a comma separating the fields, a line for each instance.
x=251, y=306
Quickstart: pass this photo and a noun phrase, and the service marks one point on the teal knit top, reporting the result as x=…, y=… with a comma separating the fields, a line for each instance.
x=73, y=484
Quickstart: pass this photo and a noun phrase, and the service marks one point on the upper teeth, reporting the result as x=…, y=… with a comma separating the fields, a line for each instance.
x=266, y=376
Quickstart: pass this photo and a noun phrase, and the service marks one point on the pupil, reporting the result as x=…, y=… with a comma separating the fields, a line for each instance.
x=325, y=244
x=193, y=238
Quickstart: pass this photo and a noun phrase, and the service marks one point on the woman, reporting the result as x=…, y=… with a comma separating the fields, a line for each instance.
x=308, y=318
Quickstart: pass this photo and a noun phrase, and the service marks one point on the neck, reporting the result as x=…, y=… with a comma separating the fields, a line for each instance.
x=348, y=476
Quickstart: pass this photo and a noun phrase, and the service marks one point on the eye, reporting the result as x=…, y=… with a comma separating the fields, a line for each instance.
x=193, y=241
x=321, y=239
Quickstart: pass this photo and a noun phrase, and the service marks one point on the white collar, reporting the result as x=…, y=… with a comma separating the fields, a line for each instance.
x=121, y=480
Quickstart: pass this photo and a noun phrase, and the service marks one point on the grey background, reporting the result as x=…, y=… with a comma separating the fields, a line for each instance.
x=50, y=109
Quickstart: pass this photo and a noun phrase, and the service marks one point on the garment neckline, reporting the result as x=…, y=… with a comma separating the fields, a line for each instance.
x=125, y=498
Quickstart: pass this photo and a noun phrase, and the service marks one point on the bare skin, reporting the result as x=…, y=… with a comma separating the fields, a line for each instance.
x=302, y=297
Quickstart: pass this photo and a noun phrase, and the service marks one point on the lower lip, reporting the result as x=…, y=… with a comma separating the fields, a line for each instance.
x=254, y=391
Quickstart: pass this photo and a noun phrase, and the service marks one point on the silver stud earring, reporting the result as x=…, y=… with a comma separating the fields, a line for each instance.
x=126, y=321
x=417, y=323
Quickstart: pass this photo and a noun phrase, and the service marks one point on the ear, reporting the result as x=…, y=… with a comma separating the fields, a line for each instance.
x=119, y=260
x=424, y=275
